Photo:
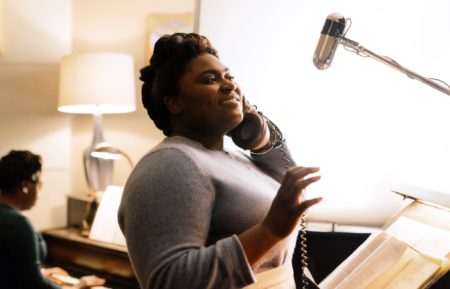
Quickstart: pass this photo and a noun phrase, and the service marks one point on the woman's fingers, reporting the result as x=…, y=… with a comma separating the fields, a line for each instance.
x=306, y=204
x=296, y=173
x=288, y=206
x=296, y=180
x=298, y=192
x=90, y=281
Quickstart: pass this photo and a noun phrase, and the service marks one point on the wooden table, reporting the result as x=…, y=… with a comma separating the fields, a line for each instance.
x=83, y=256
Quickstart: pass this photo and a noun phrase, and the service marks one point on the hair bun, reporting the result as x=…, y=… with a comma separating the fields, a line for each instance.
x=166, y=47
x=147, y=74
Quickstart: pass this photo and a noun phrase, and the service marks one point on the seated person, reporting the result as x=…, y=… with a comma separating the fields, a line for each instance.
x=22, y=249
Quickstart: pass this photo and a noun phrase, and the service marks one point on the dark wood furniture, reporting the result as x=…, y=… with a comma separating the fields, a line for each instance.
x=82, y=256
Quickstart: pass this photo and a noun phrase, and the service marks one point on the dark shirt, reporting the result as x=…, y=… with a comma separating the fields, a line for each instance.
x=22, y=251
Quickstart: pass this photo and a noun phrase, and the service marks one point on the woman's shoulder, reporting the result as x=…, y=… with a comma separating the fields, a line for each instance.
x=171, y=152
x=163, y=165
x=179, y=143
x=11, y=219
x=174, y=149
x=169, y=149
x=8, y=213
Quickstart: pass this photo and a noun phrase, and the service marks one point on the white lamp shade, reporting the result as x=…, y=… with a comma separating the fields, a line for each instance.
x=97, y=83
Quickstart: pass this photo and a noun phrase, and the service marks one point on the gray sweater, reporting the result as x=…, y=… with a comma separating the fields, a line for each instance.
x=183, y=207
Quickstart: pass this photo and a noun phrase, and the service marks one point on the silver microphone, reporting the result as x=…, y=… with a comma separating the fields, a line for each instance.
x=329, y=40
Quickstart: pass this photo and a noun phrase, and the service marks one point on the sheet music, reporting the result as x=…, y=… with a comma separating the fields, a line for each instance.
x=105, y=226
x=427, y=239
x=416, y=274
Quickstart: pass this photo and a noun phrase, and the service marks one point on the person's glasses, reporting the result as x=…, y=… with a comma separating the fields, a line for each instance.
x=36, y=179
x=37, y=183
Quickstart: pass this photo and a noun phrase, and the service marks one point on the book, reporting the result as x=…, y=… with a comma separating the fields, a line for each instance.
x=379, y=253
x=407, y=254
x=418, y=273
x=428, y=239
x=105, y=227
x=392, y=271
x=350, y=264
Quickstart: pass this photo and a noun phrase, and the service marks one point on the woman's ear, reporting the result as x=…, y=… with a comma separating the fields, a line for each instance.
x=24, y=187
x=174, y=104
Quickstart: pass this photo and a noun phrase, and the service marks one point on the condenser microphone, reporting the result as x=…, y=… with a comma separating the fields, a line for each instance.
x=332, y=30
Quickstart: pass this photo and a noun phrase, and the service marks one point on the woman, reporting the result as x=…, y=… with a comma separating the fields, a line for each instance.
x=22, y=249
x=194, y=214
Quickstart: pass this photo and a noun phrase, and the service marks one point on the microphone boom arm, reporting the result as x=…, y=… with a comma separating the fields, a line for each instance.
x=361, y=51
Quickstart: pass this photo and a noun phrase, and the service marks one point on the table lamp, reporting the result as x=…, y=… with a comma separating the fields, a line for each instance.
x=97, y=84
x=108, y=152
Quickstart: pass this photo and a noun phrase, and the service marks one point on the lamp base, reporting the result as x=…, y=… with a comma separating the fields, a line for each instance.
x=98, y=171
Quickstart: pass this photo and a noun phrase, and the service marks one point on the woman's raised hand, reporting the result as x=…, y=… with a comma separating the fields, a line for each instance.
x=288, y=206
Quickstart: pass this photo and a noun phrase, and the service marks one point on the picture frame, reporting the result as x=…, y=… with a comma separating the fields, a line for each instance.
x=159, y=24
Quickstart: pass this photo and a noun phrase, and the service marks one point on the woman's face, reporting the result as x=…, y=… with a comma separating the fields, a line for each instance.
x=32, y=192
x=209, y=99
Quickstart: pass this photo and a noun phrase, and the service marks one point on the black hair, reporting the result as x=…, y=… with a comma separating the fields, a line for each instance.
x=18, y=166
x=171, y=55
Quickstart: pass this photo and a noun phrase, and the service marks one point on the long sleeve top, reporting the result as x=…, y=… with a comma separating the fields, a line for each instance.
x=22, y=251
x=183, y=207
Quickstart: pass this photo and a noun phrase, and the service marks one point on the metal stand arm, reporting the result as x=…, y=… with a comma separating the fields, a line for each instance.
x=360, y=50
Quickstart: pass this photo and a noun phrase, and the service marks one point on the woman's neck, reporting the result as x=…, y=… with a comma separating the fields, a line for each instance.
x=10, y=201
x=209, y=142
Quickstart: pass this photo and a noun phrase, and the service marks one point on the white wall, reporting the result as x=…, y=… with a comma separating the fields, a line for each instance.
x=35, y=31
x=365, y=124
x=115, y=25
x=37, y=35
x=28, y=120
x=362, y=122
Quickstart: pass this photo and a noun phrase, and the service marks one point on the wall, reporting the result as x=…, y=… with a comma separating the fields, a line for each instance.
x=362, y=122
x=105, y=25
x=38, y=34
x=29, y=121
x=365, y=124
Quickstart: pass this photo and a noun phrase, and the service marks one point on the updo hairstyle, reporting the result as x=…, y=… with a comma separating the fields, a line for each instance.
x=171, y=55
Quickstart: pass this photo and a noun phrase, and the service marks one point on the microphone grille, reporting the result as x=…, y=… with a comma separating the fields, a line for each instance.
x=334, y=25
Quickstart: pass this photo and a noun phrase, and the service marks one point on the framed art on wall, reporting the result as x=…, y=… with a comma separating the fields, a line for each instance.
x=159, y=24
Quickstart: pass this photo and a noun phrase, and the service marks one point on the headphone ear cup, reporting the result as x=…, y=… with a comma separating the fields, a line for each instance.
x=252, y=133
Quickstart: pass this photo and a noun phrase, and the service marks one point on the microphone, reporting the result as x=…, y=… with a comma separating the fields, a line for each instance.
x=329, y=40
